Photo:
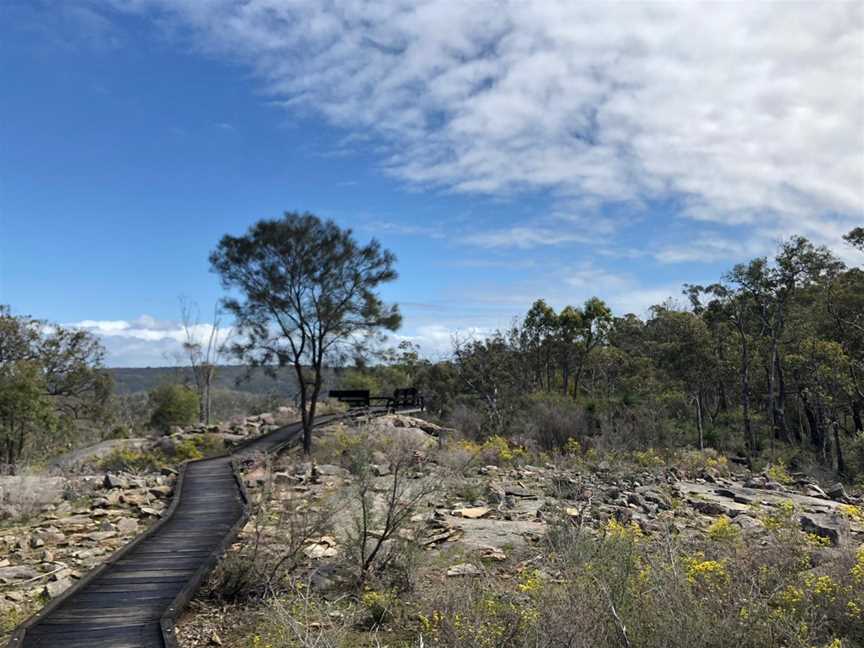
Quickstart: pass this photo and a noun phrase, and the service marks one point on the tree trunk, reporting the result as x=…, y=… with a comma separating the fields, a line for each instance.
x=722, y=400
x=577, y=379
x=699, y=420
x=816, y=435
x=780, y=403
x=857, y=410
x=749, y=434
x=304, y=415
x=565, y=377
x=841, y=465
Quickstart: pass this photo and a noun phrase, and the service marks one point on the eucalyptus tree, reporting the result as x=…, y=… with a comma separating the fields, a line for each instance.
x=681, y=347
x=855, y=238
x=307, y=293
x=537, y=337
x=50, y=378
x=771, y=287
x=592, y=328
x=737, y=310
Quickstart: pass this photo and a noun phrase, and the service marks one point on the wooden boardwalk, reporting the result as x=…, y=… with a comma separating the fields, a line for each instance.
x=132, y=601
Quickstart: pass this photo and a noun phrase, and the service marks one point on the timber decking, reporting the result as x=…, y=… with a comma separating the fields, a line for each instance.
x=133, y=599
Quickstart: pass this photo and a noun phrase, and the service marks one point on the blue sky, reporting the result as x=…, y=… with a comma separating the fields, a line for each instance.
x=504, y=152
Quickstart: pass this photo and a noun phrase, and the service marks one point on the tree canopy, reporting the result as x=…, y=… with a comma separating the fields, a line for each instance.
x=50, y=378
x=307, y=293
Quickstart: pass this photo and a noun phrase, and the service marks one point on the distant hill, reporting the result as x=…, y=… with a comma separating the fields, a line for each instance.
x=128, y=380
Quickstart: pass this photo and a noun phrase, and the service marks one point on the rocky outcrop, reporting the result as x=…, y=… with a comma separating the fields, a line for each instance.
x=88, y=519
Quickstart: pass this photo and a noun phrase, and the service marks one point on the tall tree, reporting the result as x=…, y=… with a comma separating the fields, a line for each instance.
x=49, y=374
x=537, y=335
x=204, y=346
x=681, y=346
x=308, y=292
x=594, y=323
x=771, y=287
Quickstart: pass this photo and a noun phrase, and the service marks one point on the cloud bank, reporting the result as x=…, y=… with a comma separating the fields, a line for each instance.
x=742, y=113
x=147, y=341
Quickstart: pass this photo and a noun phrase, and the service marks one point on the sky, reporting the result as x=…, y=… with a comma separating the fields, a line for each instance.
x=504, y=151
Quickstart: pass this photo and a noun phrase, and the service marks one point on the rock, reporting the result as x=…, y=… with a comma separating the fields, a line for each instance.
x=8, y=512
x=747, y=522
x=492, y=553
x=229, y=439
x=836, y=492
x=463, y=569
x=380, y=471
x=168, y=445
x=161, y=491
x=36, y=542
x=283, y=479
x=267, y=419
x=127, y=526
x=317, y=551
x=712, y=508
x=99, y=536
x=472, y=513
x=656, y=497
x=134, y=498
x=329, y=470
x=635, y=499
x=18, y=572
x=518, y=491
x=812, y=490
x=835, y=528
x=115, y=481
x=55, y=588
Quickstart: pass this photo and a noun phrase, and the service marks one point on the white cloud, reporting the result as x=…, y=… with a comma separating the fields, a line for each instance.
x=524, y=237
x=710, y=249
x=436, y=340
x=146, y=341
x=748, y=113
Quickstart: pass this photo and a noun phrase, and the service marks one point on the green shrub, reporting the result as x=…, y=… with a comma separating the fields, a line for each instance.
x=130, y=460
x=172, y=405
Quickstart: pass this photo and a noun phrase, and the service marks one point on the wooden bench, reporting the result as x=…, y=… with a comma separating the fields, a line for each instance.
x=354, y=398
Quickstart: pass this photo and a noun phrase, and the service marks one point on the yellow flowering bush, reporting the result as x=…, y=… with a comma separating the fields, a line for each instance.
x=496, y=449
x=648, y=458
x=708, y=573
x=852, y=512
x=722, y=530
x=629, y=532
x=779, y=473
x=573, y=447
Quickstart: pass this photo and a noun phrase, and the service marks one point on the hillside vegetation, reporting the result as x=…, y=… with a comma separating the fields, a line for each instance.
x=767, y=365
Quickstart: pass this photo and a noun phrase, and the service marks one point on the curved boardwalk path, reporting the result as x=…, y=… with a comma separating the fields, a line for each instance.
x=133, y=599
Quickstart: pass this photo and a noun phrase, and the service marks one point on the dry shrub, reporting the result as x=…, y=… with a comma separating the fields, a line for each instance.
x=552, y=420
x=282, y=526
x=303, y=620
x=382, y=507
x=618, y=587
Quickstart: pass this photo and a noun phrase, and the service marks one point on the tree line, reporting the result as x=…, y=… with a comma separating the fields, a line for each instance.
x=769, y=359
x=773, y=353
